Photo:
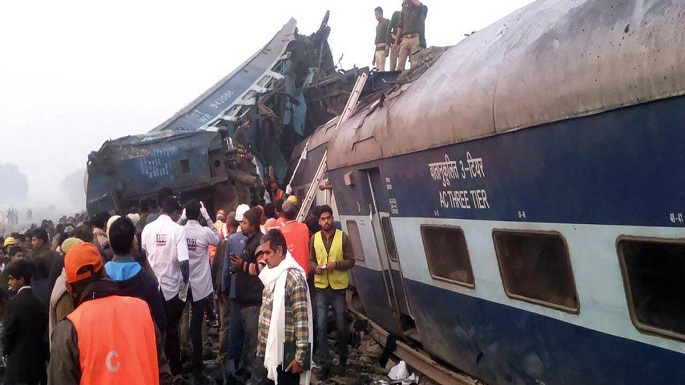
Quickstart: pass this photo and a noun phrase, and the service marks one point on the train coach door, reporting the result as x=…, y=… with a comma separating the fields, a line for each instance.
x=385, y=242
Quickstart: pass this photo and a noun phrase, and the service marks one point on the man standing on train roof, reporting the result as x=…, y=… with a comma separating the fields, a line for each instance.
x=285, y=320
x=393, y=40
x=331, y=257
x=408, y=33
x=199, y=238
x=165, y=245
x=381, y=40
x=96, y=343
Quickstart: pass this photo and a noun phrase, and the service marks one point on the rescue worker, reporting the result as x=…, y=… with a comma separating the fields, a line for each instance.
x=198, y=239
x=285, y=320
x=381, y=40
x=331, y=258
x=96, y=344
x=165, y=245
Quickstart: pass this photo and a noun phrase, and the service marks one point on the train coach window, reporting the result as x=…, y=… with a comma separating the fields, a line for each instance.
x=448, y=256
x=536, y=268
x=654, y=278
x=353, y=233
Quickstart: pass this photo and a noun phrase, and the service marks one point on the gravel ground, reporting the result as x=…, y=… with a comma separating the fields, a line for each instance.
x=363, y=367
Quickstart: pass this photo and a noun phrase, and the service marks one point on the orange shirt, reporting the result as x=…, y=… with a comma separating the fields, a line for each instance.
x=297, y=239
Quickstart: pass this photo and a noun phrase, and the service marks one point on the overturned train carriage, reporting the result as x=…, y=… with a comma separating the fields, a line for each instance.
x=219, y=146
x=519, y=207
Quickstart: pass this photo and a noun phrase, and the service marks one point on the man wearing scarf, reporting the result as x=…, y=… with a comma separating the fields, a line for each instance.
x=285, y=318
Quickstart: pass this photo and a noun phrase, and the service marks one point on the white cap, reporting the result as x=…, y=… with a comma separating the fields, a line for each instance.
x=110, y=221
x=240, y=211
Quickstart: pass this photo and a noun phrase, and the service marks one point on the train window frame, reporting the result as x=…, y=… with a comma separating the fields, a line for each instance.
x=526, y=298
x=355, y=237
x=466, y=284
x=639, y=325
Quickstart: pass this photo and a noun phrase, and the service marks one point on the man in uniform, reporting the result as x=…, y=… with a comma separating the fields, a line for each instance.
x=393, y=40
x=330, y=257
x=408, y=32
x=164, y=242
x=381, y=40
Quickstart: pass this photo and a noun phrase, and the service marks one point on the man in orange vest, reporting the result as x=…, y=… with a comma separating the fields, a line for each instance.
x=107, y=339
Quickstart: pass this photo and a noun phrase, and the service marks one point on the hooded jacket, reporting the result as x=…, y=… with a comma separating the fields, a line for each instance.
x=133, y=281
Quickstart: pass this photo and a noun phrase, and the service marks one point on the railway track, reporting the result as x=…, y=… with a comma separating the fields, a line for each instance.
x=418, y=359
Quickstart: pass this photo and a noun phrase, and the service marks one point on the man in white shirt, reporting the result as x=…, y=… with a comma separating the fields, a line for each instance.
x=165, y=245
x=199, y=238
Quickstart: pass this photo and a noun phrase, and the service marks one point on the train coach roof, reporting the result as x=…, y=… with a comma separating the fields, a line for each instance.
x=549, y=61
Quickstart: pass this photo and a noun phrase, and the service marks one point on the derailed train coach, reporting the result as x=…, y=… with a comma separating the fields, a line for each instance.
x=220, y=146
x=520, y=204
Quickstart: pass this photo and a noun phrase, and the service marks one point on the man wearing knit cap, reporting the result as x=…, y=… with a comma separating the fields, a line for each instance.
x=95, y=343
x=248, y=289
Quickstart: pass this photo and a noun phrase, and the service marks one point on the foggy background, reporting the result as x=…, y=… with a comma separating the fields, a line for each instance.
x=77, y=73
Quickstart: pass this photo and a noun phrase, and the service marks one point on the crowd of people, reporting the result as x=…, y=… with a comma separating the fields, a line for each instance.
x=128, y=299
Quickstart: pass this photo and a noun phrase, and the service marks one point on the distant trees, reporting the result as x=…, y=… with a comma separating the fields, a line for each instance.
x=15, y=184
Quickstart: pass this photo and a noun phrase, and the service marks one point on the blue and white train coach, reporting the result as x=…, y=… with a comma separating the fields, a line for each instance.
x=519, y=208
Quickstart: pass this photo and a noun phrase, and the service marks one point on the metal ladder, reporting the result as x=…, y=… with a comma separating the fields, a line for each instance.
x=347, y=112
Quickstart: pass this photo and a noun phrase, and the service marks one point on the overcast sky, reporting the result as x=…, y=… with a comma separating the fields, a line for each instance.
x=76, y=73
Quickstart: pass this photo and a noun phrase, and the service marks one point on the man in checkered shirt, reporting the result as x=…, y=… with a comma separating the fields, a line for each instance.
x=285, y=314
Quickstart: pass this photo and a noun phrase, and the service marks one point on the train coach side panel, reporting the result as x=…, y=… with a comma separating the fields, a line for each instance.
x=620, y=170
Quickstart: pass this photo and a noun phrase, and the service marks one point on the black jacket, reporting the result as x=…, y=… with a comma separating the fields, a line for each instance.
x=248, y=288
x=25, y=322
x=138, y=284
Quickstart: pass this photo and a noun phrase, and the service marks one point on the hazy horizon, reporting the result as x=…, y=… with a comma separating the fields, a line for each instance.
x=80, y=73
